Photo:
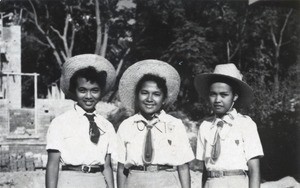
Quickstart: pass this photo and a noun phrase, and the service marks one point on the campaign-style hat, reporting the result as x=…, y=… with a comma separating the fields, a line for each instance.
x=227, y=73
x=135, y=72
x=78, y=62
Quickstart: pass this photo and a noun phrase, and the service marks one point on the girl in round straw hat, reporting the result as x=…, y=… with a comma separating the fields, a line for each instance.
x=80, y=140
x=228, y=143
x=154, y=148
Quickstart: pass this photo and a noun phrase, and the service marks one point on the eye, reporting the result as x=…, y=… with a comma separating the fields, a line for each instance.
x=212, y=94
x=158, y=94
x=81, y=90
x=143, y=92
x=224, y=95
x=96, y=90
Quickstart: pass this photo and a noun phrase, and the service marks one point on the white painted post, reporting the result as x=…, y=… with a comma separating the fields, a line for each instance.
x=35, y=103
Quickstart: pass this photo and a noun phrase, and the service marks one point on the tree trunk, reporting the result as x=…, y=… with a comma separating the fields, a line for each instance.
x=99, y=29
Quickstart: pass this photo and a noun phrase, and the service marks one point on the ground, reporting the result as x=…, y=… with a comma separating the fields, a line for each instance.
x=35, y=179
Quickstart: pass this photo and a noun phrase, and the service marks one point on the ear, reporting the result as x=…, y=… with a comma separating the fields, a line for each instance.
x=236, y=96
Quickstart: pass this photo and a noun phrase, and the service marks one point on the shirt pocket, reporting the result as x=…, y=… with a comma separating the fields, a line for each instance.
x=235, y=143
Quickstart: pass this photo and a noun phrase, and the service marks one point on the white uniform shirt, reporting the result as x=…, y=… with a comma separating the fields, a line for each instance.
x=170, y=141
x=69, y=133
x=239, y=142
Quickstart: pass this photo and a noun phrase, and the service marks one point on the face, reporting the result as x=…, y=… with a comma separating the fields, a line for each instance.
x=221, y=98
x=87, y=94
x=150, y=98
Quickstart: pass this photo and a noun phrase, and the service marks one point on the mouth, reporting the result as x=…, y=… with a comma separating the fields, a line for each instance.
x=149, y=105
x=218, y=106
x=88, y=103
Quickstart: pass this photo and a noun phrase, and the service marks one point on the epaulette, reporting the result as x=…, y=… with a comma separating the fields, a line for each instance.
x=243, y=116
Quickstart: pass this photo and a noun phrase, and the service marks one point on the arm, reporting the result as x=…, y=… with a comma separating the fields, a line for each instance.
x=184, y=175
x=121, y=177
x=108, y=172
x=52, y=168
x=254, y=173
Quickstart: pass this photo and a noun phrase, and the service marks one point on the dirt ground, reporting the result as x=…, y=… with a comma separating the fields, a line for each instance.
x=35, y=179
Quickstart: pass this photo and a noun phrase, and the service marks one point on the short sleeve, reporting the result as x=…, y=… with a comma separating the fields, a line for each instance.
x=183, y=146
x=112, y=142
x=121, y=140
x=252, y=143
x=54, y=136
x=200, y=144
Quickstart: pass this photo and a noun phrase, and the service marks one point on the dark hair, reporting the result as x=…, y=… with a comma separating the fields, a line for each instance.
x=161, y=83
x=230, y=82
x=91, y=75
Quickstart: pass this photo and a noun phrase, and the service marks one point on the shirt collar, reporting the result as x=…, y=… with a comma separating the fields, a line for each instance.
x=159, y=115
x=228, y=118
x=80, y=111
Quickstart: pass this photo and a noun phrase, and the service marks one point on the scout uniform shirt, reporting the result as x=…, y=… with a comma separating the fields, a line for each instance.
x=69, y=133
x=170, y=141
x=239, y=142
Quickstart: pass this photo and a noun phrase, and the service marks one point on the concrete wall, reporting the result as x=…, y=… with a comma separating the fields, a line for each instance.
x=12, y=47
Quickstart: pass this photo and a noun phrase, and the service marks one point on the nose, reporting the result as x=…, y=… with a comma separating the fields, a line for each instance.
x=88, y=95
x=217, y=99
x=149, y=98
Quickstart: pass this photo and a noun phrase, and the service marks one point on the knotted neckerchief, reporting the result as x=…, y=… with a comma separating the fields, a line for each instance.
x=94, y=131
x=148, y=153
x=216, y=148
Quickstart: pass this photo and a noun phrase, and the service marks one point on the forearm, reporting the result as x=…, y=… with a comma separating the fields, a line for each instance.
x=52, y=176
x=254, y=173
x=254, y=180
x=184, y=175
x=109, y=176
x=52, y=168
x=121, y=177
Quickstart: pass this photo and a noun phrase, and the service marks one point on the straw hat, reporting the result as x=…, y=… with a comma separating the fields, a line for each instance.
x=135, y=72
x=78, y=62
x=225, y=72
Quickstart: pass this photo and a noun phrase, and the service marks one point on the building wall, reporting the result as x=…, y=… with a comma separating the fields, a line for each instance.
x=12, y=48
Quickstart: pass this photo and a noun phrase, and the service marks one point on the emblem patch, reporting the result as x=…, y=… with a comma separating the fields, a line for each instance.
x=237, y=142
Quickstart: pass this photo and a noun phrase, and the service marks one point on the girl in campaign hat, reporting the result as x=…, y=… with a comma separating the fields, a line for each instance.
x=154, y=148
x=228, y=143
x=80, y=141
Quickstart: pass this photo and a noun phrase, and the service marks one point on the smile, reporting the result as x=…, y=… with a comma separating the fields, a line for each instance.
x=89, y=102
x=149, y=105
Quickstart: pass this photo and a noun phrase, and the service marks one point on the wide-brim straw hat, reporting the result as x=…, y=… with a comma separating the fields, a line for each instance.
x=78, y=62
x=227, y=73
x=135, y=72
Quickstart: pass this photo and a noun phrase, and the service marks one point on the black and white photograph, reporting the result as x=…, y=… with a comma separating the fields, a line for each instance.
x=149, y=94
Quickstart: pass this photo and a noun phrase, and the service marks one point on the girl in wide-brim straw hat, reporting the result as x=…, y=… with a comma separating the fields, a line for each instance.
x=154, y=147
x=228, y=143
x=225, y=73
x=80, y=140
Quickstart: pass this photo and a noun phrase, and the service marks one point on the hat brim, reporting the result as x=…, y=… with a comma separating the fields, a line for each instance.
x=135, y=72
x=202, y=83
x=78, y=62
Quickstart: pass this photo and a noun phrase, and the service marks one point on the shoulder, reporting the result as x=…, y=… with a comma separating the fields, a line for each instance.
x=104, y=122
x=128, y=121
x=245, y=121
x=64, y=117
x=242, y=117
x=169, y=118
x=207, y=121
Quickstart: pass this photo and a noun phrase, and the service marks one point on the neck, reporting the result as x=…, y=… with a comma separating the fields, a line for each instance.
x=90, y=111
x=148, y=117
